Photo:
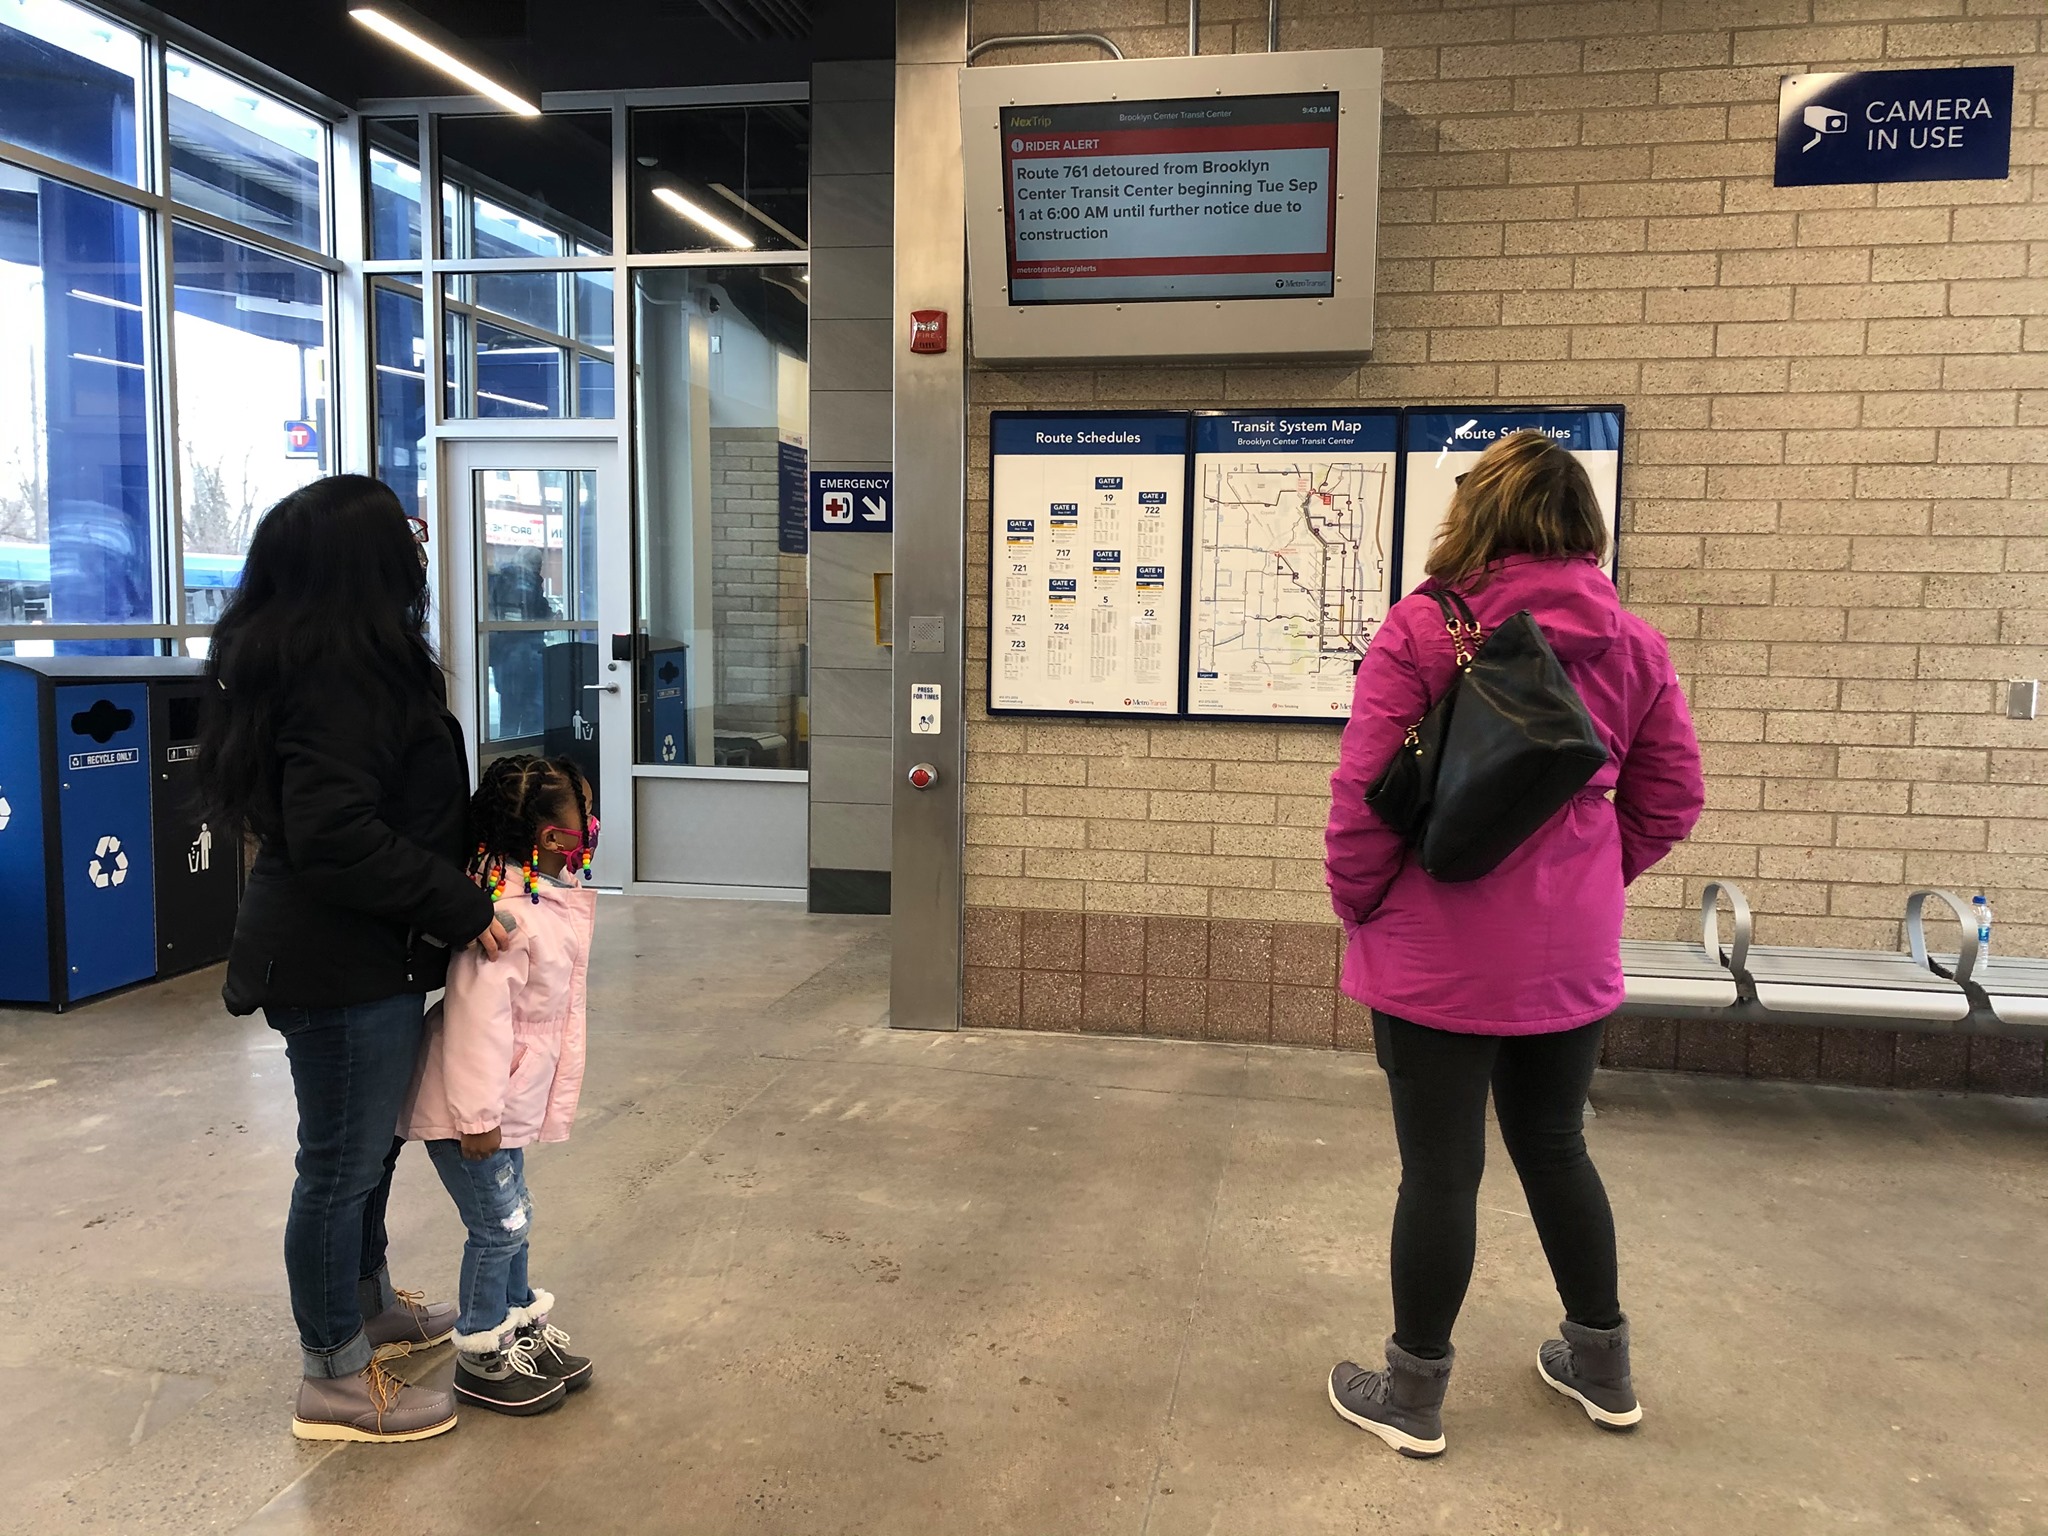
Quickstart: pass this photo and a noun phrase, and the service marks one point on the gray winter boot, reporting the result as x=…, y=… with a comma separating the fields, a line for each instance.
x=1403, y=1404
x=1590, y=1366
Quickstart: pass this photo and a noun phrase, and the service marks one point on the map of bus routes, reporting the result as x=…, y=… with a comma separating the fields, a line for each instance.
x=1292, y=558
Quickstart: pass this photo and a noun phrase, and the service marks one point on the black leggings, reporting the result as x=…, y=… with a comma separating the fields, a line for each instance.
x=1439, y=1082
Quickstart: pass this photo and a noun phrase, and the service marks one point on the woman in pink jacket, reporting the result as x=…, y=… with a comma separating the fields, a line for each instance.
x=502, y=1069
x=1505, y=982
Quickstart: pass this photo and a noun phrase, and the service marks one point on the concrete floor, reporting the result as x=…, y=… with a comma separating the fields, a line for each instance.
x=839, y=1279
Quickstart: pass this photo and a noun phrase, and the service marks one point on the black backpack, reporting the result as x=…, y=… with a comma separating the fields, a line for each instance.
x=1494, y=758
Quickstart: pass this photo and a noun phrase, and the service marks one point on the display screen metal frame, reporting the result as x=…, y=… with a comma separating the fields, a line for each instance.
x=1337, y=325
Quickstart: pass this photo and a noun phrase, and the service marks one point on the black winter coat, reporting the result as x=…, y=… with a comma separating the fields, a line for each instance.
x=344, y=902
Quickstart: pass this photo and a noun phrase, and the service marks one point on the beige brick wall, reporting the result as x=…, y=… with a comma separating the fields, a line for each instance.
x=1837, y=482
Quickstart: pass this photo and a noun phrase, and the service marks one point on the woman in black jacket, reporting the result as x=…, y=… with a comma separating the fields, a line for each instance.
x=330, y=744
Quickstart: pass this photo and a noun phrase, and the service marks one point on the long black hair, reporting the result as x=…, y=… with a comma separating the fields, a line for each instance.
x=333, y=592
x=516, y=797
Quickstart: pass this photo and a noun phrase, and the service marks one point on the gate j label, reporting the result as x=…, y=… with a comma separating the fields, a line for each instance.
x=1895, y=125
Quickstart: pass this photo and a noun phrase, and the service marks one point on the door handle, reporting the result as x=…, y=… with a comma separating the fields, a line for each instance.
x=600, y=687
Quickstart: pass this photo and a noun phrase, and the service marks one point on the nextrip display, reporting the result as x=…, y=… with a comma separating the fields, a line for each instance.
x=1440, y=443
x=1211, y=206
x=1291, y=563
x=1210, y=198
x=1087, y=552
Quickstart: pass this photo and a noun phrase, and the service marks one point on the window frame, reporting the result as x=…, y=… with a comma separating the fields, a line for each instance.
x=432, y=272
x=340, y=221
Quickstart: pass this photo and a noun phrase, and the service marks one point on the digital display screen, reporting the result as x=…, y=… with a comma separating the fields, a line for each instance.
x=1209, y=198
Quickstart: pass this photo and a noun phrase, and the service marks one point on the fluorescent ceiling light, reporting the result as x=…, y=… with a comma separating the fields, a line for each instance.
x=524, y=405
x=101, y=298
x=443, y=60
x=109, y=362
x=703, y=219
x=759, y=216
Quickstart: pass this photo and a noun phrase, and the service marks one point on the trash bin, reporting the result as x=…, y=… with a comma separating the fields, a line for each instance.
x=80, y=843
x=198, y=872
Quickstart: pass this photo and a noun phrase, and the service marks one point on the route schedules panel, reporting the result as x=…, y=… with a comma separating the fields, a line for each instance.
x=1291, y=559
x=1440, y=443
x=1086, y=563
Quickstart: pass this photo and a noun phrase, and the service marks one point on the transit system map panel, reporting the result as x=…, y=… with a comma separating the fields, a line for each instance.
x=1206, y=198
x=1291, y=561
x=1087, y=554
x=1440, y=443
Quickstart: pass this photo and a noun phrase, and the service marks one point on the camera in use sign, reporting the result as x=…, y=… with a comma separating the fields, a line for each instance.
x=1895, y=125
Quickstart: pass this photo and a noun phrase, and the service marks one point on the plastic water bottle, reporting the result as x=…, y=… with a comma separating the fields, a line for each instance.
x=1982, y=910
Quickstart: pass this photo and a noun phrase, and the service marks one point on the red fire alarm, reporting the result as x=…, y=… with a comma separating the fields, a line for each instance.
x=927, y=330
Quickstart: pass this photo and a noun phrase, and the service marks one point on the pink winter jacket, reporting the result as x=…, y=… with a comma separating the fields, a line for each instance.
x=1535, y=946
x=505, y=1047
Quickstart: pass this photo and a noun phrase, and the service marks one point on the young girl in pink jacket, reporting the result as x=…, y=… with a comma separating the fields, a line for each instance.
x=502, y=1069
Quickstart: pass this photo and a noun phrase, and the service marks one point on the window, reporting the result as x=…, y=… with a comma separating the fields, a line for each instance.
x=69, y=83
x=521, y=186
x=538, y=578
x=396, y=200
x=721, y=179
x=723, y=590
x=76, y=531
x=398, y=386
x=251, y=339
x=529, y=345
x=243, y=155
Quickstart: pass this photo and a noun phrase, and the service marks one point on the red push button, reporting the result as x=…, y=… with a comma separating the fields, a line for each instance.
x=923, y=776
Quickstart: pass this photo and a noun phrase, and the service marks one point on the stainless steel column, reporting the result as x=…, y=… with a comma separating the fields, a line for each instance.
x=931, y=534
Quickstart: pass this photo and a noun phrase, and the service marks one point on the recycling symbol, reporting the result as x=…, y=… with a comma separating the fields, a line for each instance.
x=109, y=864
x=6, y=813
x=668, y=755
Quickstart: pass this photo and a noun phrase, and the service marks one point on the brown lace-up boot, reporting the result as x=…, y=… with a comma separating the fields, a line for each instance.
x=373, y=1407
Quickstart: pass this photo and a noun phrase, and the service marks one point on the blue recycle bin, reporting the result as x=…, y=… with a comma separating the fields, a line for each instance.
x=78, y=889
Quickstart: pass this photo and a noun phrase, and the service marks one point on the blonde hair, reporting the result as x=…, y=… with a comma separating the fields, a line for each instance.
x=1527, y=495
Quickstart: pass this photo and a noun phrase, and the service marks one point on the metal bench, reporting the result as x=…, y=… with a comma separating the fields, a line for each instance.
x=2015, y=992
x=1915, y=990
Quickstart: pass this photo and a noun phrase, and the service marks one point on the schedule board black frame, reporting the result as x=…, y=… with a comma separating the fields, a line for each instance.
x=1391, y=413
x=1404, y=415
x=1408, y=412
x=1178, y=646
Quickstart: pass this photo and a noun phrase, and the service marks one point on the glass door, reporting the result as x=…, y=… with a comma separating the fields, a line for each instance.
x=534, y=590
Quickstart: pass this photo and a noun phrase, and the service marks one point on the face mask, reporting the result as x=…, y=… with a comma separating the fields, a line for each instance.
x=584, y=847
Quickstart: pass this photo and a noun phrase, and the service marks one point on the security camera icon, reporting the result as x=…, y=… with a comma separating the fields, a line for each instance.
x=1823, y=121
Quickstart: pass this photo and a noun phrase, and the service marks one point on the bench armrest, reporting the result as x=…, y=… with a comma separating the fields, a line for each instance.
x=1916, y=934
x=1737, y=958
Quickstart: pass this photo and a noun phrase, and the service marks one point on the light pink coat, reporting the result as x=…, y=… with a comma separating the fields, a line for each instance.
x=505, y=1048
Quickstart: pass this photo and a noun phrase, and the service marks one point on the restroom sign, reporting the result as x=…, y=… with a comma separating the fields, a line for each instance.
x=852, y=503
x=1895, y=125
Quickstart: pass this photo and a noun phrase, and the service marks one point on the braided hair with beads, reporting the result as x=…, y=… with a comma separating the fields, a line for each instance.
x=516, y=798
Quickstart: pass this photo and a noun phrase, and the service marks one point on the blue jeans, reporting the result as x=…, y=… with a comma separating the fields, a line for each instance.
x=351, y=1069
x=490, y=1192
